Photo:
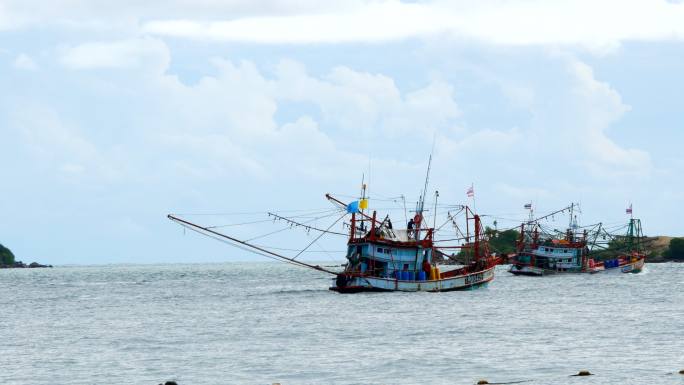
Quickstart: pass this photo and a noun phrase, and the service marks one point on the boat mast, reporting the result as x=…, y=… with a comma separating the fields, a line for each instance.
x=421, y=202
x=363, y=190
x=434, y=222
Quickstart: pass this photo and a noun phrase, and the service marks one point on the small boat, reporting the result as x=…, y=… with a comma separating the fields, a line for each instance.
x=589, y=249
x=633, y=263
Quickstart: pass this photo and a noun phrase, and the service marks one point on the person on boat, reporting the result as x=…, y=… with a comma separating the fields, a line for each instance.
x=389, y=223
x=427, y=267
x=409, y=227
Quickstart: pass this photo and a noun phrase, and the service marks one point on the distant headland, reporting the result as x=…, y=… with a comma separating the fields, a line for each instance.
x=8, y=261
x=664, y=249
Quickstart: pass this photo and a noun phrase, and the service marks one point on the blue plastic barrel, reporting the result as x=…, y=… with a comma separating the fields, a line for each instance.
x=404, y=275
x=421, y=276
x=412, y=275
x=398, y=274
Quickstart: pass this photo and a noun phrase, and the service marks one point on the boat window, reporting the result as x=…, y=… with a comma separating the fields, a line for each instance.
x=380, y=250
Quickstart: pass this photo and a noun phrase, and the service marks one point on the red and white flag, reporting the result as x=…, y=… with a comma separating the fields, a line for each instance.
x=471, y=191
x=629, y=209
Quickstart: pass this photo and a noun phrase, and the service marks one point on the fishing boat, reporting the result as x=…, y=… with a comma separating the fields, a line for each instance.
x=380, y=257
x=588, y=249
x=633, y=260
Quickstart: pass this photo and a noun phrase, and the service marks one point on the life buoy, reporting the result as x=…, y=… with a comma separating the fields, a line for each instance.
x=416, y=219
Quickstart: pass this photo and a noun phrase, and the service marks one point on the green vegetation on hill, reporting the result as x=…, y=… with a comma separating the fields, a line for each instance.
x=502, y=242
x=6, y=256
x=675, y=250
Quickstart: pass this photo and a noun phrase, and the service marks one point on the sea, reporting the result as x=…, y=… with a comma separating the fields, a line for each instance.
x=266, y=323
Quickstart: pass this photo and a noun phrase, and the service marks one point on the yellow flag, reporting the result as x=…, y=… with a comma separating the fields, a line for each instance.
x=363, y=204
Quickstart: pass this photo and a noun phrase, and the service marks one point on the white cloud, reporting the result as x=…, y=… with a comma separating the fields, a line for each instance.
x=375, y=21
x=566, y=145
x=599, y=106
x=52, y=141
x=103, y=14
x=24, y=62
x=370, y=104
x=121, y=54
x=600, y=26
x=597, y=25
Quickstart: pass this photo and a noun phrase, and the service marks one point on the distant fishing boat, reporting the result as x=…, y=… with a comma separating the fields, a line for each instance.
x=543, y=252
x=382, y=258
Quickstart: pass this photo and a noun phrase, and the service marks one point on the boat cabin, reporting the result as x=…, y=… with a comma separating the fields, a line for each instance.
x=553, y=257
x=382, y=259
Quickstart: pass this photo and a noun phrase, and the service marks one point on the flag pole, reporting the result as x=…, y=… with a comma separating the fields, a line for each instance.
x=472, y=188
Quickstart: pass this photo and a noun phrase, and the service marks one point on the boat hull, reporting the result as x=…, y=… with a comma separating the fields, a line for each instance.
x=462, y=282
x=627, y=267
x=526, y=270
x=632, y=266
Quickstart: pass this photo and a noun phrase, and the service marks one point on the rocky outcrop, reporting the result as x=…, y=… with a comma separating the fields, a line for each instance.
x=22, y=265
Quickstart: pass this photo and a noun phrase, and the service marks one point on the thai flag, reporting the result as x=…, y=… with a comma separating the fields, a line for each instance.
x=470, y=192
x=629, y=209
x=528, y=206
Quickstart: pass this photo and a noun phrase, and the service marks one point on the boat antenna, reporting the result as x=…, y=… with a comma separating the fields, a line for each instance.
x=427, y=177
x=403, y=199
x=434, y=224
x=572, y=207
x=363, y=189
x=369, y=175
x=530, y=219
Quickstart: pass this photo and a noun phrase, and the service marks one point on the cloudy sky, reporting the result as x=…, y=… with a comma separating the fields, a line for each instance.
x=113, y=114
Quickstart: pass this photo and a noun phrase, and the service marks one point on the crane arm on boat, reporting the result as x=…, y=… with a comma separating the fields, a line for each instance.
x=256, y=249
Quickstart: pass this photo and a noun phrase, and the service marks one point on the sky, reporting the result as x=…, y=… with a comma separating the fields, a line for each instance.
x=114, y=114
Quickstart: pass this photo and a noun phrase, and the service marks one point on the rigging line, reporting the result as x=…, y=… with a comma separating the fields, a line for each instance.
x=312, y=210
x=269, y=220
x=239, y=224
x=233, y=244
x=320, y=209
x=287, y=228
x=319, y=236
x=207, y=231
x=442, y=225
x=291, y=222
x=330, y=256
x=287, y=249
x=308, y=214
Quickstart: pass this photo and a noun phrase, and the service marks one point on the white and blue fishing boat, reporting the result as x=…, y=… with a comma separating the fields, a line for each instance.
x=588, y=249
x=381, y=258
x=378, y=256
